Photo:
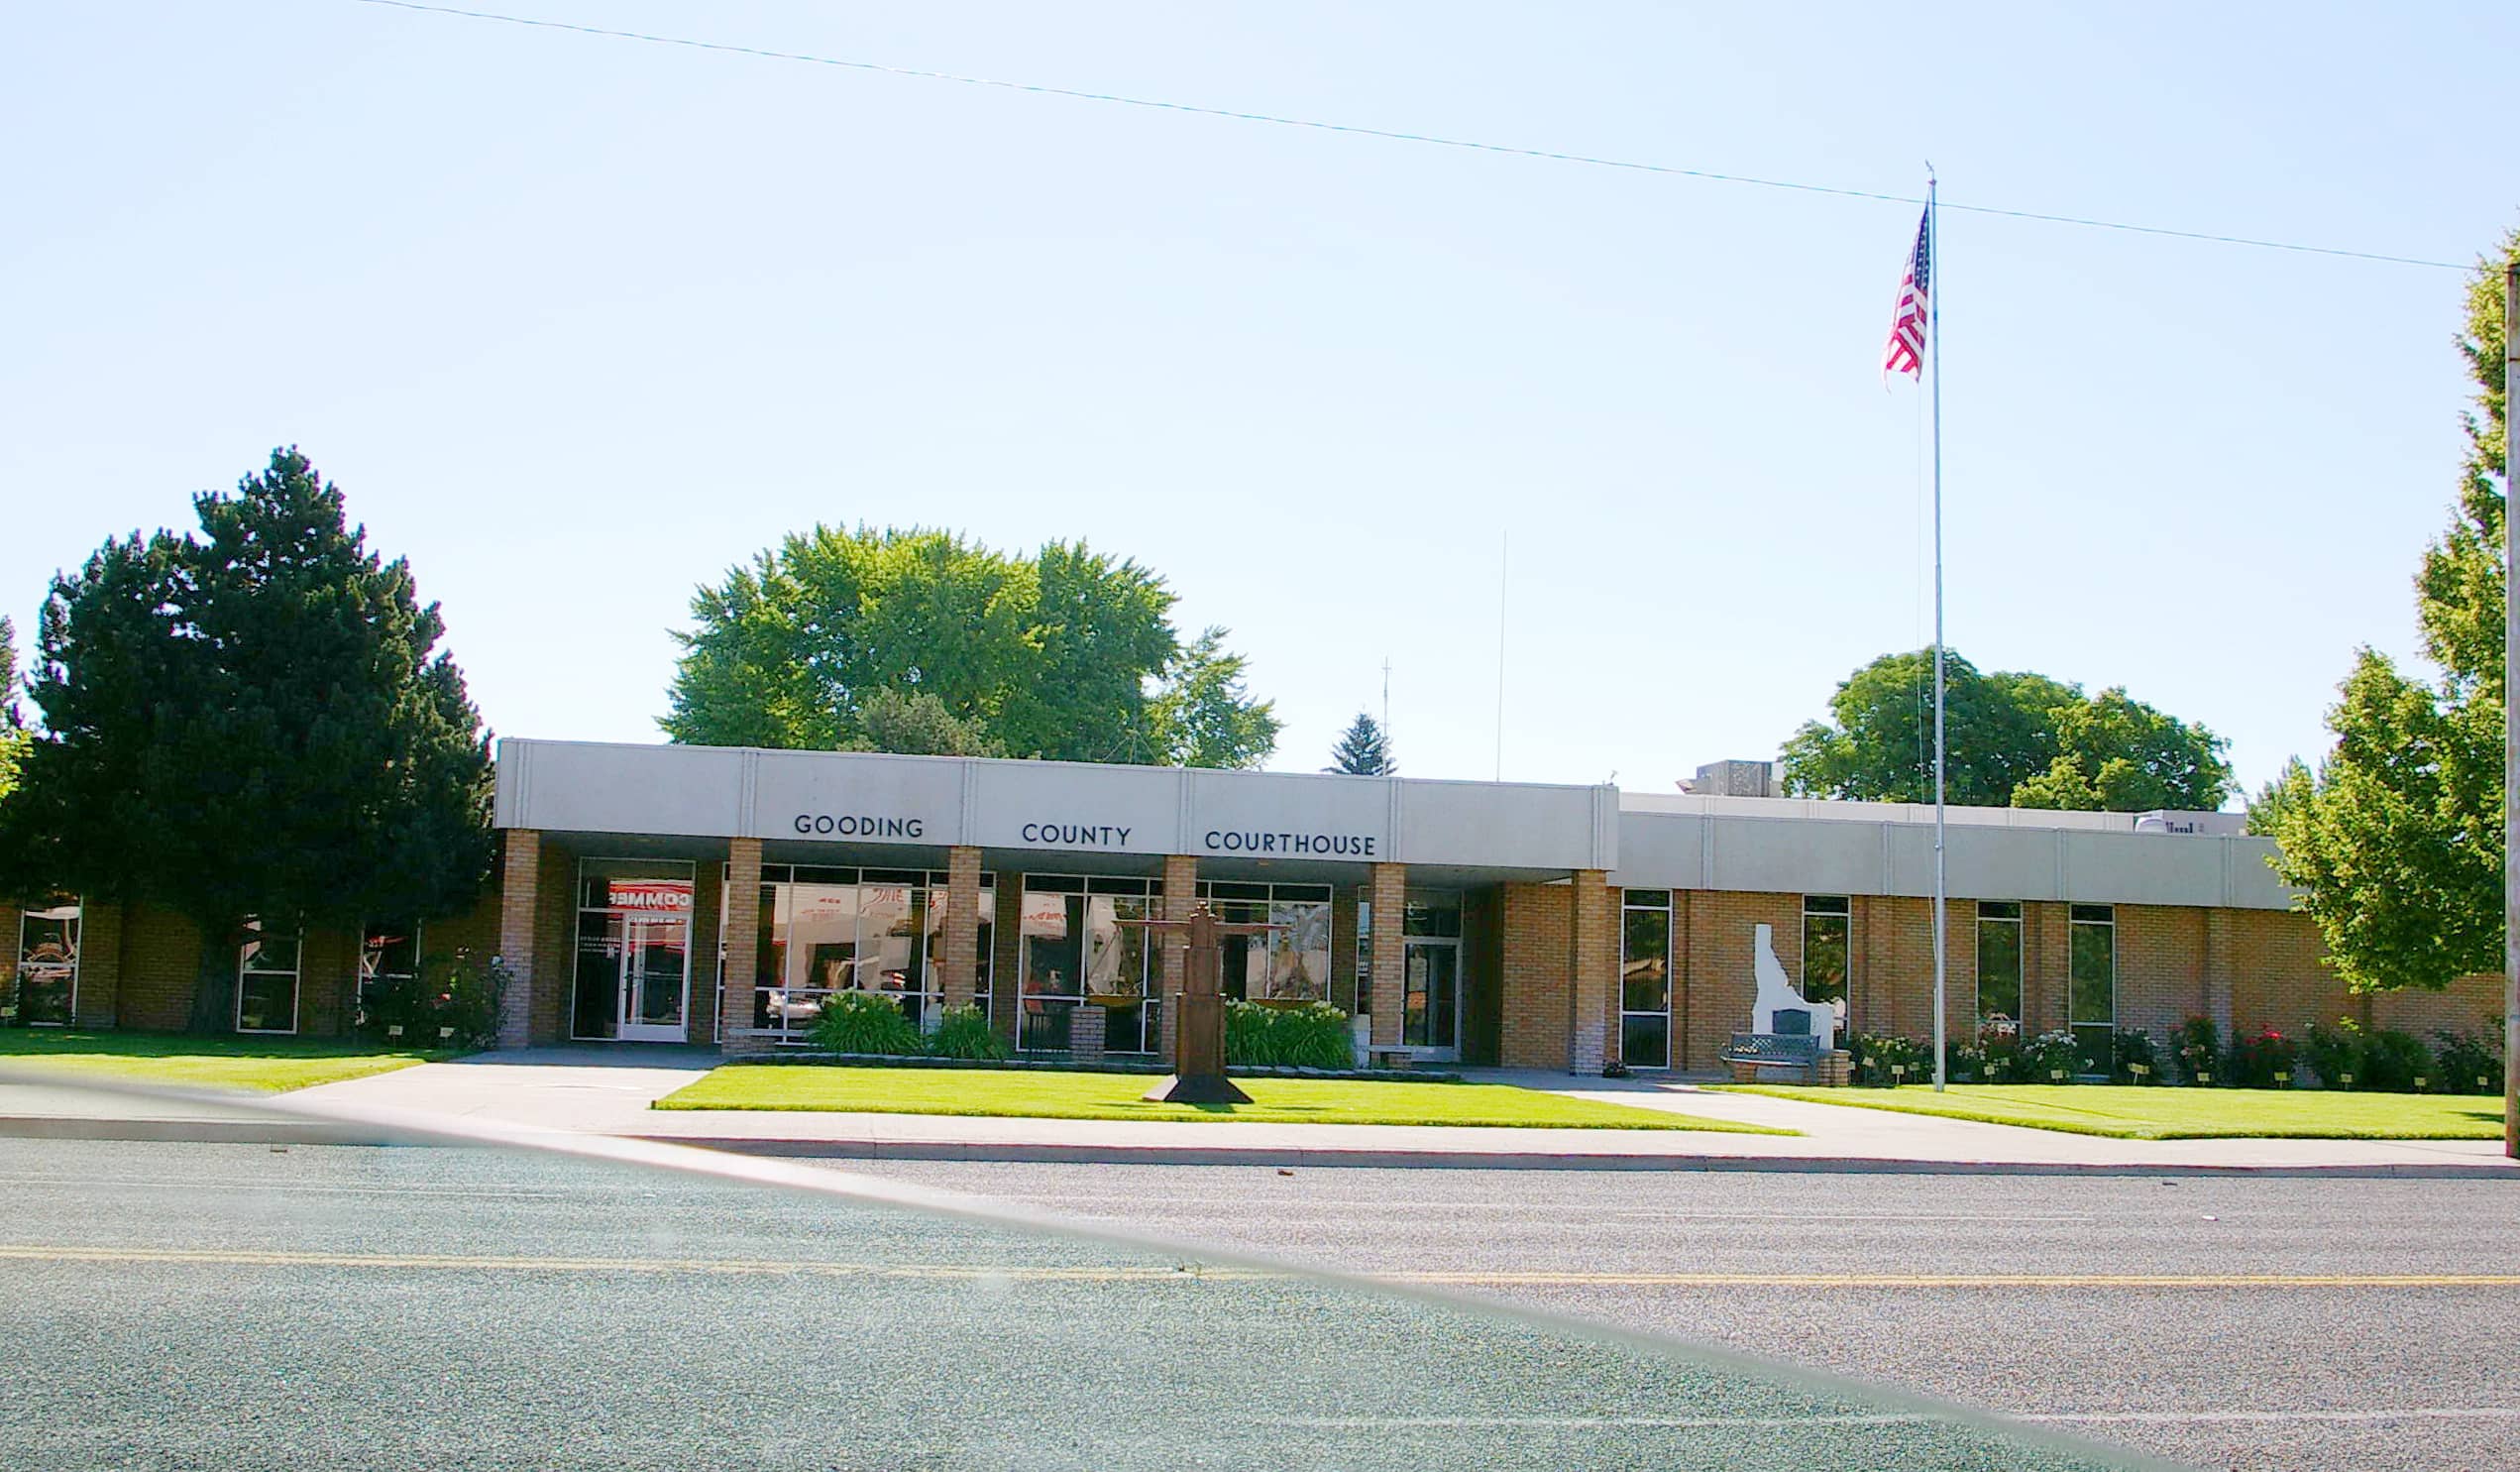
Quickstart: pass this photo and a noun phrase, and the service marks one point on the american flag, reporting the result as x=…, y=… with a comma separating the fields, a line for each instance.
x=1907, y=352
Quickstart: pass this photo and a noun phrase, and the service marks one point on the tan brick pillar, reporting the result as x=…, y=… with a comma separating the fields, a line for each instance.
x=962, y=926
x=1592, y=968
x=740, y=975
x=2048, y=969
x=1180, y=894
x=1390, y=892
x=2222, y=953
x=520, y=895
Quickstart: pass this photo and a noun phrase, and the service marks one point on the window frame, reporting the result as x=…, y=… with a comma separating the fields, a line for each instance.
x=75, y=932
x=1818, y=907
x=1978, y=937
x=2098, y=920
x=261, y=940
x=1633, y=902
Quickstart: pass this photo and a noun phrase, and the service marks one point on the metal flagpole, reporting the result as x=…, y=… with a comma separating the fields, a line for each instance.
x=1934, y=336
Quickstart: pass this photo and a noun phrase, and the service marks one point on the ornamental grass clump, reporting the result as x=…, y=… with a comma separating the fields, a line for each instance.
x=865, y=1022
x=964, y=1032
x=1309, y=1037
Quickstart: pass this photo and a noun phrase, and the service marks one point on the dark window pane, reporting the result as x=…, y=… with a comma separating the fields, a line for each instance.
x=1824, y=957
x=1645, y=1039
x=2000, y=969
x=2095, y=974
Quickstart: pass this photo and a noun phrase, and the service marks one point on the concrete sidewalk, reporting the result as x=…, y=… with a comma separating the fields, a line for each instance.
x=607, y=1093
x=566, y=1089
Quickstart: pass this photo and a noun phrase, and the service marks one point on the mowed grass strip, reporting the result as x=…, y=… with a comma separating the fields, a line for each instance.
x=1011, y=1093
x=261, y=1064
x=2164, y=1113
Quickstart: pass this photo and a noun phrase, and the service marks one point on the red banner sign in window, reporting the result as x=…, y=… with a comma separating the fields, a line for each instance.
x=651, y=896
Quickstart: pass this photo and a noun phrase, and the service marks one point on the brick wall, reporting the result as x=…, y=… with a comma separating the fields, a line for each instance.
x=1343, y=948
x=2278, y=977
x=2468, y=1004
x=100, y=963
x=160, y=954
x=1532, y=974
x=1891, y=988
x=1716, y=981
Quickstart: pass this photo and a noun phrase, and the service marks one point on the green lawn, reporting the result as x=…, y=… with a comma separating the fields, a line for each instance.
x=262, y=1065
x=1009, y=1093
x=2162, y=1113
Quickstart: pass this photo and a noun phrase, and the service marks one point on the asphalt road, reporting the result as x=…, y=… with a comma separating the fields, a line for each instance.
x=2156, y=1326
x=169, y=1305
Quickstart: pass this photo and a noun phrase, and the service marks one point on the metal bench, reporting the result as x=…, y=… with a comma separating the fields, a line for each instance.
x=1778, y=1049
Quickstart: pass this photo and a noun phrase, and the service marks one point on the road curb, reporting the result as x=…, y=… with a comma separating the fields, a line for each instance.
x=1503, y=1159
x=279, y=1130
x=273, y=1131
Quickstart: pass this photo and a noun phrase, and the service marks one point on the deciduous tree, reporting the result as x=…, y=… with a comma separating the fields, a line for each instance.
x=2397, y=843
x=2013, y=739
x=1068, y=655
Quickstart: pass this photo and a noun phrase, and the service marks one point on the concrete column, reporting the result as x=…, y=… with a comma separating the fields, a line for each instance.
x=1180, y=894
x=519, y=902
x=742, y=901
x=1390, y=891
x=1593, y=974
x=962, y=926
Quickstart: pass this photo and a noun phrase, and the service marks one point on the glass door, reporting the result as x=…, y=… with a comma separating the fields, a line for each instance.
x=1431, y=999
x=655, y=972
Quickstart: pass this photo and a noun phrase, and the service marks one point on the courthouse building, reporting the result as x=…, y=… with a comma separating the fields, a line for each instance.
x=713, y=895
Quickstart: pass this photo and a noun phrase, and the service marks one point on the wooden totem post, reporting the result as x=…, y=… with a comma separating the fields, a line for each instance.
x=1198, y=1030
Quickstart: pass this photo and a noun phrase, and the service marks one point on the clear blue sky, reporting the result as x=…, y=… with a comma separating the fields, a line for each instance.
x=579, y=322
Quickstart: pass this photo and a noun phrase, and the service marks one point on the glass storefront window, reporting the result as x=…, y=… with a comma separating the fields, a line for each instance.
x=825, y=930
x=1290, y=963
x=47, y=973
x=267, y=981
x=1999, y=966
x=1645, y=951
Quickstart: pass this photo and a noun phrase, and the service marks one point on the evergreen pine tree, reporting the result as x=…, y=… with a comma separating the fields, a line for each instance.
x=1363, y=751
x=250, y=724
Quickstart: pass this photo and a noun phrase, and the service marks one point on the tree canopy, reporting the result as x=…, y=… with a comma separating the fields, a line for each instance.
x=253, y=722
x=832, y=640
x=1365, y=751
x=2010, y=739
x=13, y=736
x=2396, y=840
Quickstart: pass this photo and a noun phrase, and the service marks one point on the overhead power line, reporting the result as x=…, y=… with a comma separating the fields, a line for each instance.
x=1396, y=135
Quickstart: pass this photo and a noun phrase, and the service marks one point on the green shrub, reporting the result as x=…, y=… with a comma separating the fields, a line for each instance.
x=2132, y=1059
x=964, y=1032
x=2197, y=1051
x=2335, y=1054
x=2393, y=1060
x=1882, y=1062
x=1308, y=1037
x=2470, y=1062
x=2256, y=1062
x=453, y=1003
x=2055, y=1057
x=865, y=1022
x=2000, y=1054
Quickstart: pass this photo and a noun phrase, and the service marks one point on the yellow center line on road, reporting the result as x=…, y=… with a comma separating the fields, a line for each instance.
x=1498, y=1277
